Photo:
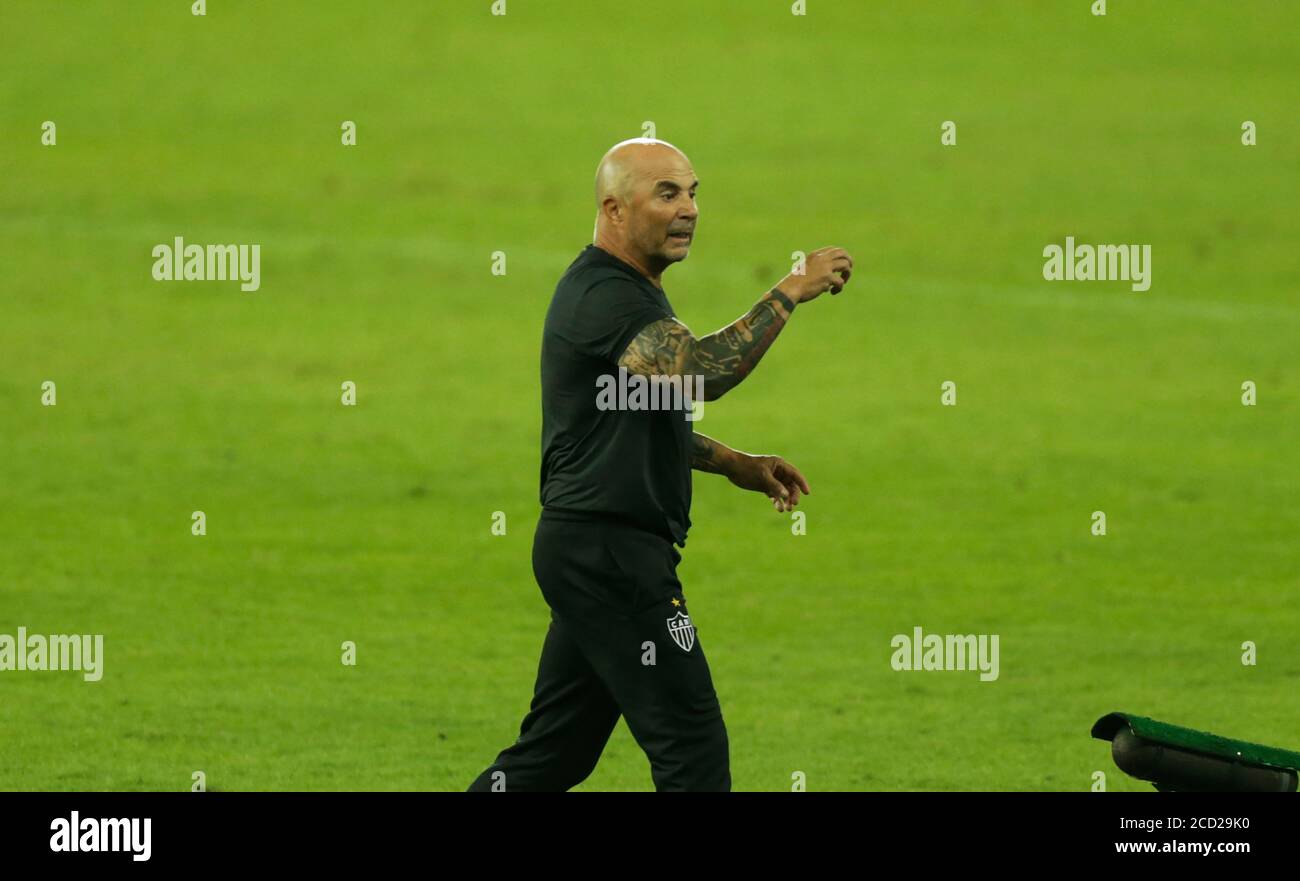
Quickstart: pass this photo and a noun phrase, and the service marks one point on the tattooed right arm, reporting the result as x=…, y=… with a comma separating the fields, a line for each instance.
x=723, y=359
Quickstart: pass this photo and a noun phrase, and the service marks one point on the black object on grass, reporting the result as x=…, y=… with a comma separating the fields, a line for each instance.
x=1176, y=759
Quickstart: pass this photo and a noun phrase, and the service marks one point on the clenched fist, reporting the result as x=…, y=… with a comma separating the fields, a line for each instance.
x=826, y=269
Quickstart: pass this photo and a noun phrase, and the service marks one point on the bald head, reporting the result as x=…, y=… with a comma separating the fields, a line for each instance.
x=628, y=161
x=645, y=204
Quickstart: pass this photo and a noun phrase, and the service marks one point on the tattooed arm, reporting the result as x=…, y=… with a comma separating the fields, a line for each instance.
x=771, y=475
x=667, y=347
x=709, y=455
x=725, y=358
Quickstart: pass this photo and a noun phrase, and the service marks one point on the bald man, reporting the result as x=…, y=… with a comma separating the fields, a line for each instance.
x=616, y=487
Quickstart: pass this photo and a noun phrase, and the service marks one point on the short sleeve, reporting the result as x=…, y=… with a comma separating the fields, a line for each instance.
x=608, y=315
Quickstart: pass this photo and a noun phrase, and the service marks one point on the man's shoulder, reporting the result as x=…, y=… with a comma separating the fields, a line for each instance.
x=599, y=305
x=594, y=267
x=597, y=282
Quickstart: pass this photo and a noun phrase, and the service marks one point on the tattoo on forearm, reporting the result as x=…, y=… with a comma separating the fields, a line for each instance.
x=723, y=358
x=705, y=454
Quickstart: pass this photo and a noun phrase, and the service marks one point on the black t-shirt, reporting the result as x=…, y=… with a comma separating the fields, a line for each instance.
x=626, y=464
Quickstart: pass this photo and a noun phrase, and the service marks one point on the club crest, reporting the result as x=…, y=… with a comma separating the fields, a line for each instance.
x=682, y=631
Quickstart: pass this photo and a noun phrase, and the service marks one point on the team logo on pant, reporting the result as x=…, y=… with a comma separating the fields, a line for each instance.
x=682, y=630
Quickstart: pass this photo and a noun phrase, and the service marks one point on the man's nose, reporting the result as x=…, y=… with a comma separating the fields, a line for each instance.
x=688, y=211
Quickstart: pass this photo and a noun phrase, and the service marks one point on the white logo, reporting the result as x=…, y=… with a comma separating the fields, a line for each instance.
x=682, y=631
x=636, y=392
x=214, y=263
x=89, y=834
x=952, y=651
x=58, y=651
x=1130, y=263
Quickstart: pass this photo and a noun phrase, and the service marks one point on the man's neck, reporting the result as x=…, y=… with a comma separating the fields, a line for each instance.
x=622, y=254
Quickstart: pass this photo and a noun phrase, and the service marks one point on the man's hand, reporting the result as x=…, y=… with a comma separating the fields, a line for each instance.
x=826, y=269
x=771, y=475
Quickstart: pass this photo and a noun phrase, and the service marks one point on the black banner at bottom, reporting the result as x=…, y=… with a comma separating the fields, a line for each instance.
x=335, y=830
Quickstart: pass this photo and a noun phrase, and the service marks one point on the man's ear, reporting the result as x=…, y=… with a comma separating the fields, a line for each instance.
x=612, y=210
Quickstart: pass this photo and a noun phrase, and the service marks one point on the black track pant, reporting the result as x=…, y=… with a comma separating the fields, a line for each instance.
x=620, y=642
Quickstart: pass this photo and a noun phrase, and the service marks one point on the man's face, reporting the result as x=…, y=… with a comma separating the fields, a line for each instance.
x=662, y=211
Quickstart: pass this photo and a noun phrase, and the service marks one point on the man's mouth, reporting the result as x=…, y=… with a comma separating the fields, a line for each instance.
x=684, y=236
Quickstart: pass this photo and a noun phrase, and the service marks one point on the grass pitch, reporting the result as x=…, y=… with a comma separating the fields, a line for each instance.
x=478, y=134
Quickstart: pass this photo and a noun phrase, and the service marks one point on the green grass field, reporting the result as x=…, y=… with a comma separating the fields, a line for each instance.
x=477, y=133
